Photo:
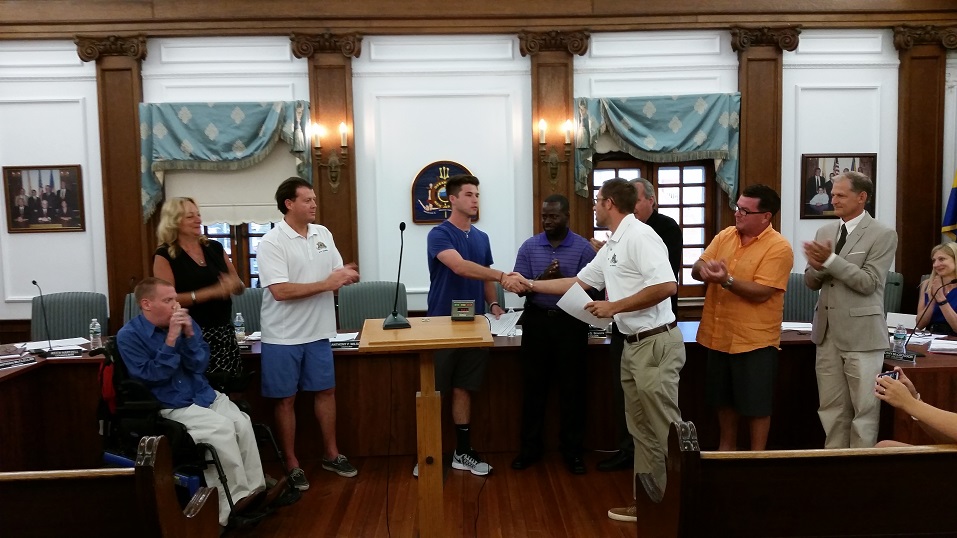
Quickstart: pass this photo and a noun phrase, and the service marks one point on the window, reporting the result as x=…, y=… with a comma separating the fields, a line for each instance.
x=684, y=192
x=241, y=243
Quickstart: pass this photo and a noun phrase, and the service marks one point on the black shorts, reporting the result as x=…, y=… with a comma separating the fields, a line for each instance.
x=742, y=381
x=461, y=368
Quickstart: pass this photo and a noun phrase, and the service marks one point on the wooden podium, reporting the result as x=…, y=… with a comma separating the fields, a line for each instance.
x=426, y=336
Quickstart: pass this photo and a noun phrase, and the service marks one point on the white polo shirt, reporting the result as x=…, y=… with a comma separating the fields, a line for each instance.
x=286, y=256
x=634, y=258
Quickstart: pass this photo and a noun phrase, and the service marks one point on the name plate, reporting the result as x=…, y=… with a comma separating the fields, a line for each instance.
x=245, y=346
x=907, y=356
x=345, y=344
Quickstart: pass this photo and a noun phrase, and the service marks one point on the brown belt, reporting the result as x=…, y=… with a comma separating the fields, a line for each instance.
x=633, y=338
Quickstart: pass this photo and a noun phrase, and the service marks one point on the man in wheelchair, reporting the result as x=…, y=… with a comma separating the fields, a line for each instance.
x=163, y=347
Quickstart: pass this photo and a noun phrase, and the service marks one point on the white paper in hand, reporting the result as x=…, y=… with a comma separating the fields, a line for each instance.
x=574, y=301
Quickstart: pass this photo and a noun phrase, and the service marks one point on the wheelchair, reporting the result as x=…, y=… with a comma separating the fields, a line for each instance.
x=130, y=411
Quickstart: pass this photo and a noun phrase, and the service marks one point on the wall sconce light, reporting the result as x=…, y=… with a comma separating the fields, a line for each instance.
x=337, y=160
x=550, y=158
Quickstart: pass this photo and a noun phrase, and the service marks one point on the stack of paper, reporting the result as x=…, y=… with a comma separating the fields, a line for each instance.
x=504, y=325
x=943, y=346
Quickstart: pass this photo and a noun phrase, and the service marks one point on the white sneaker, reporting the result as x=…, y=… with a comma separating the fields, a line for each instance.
x=471, y=462
x=415, y=470
x=627, y=513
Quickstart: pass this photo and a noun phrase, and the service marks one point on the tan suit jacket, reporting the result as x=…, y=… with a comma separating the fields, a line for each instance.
x=851, y=305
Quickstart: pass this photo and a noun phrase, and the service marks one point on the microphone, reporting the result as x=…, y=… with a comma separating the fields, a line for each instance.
x=395, y=321
x=46, y=324
x=912, y=355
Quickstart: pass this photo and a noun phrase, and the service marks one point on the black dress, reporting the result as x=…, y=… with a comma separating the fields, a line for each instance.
x=211, y=316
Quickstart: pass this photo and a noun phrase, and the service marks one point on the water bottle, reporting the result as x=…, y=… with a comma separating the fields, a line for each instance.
x=240, y=325
x=96, y=334
x=900, y=337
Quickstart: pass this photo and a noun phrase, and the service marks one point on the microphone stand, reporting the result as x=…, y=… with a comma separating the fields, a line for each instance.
x=396, y=321
x=46, y=325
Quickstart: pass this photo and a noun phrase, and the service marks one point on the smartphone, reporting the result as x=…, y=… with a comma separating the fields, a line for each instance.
x=892, y=374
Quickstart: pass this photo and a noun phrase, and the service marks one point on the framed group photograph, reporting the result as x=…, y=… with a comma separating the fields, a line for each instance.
x=44, y=198
x=817, y=180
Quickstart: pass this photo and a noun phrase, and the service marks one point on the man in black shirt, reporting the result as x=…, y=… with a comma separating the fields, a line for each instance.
x=646, y=210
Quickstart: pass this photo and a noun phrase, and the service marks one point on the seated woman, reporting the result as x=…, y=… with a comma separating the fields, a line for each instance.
x=940, y=318
x=939, y=424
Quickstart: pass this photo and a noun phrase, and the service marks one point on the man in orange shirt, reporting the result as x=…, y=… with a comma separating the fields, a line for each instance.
x=746, y=268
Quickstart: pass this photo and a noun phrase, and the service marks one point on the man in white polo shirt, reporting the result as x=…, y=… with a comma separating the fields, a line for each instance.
x=633, y=266
x=301, y=268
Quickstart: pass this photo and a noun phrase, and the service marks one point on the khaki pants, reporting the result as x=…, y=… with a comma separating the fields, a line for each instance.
x=650, y=371
x=849, y=411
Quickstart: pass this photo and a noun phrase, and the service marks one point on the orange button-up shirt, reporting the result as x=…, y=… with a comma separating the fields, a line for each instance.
x=733, y=324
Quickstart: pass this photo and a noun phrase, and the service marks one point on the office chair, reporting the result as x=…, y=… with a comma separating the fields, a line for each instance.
x=131, y=308
x=68, y=314
x=250, y=303
x=799, y=300
x=893, y=290
x=368, y=300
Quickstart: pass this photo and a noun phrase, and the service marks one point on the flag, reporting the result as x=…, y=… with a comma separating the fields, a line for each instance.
x=854, y=164
x=51, y=180
x=949, y=226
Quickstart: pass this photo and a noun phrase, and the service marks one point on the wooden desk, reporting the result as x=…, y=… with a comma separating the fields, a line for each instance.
x=935, y=377
x=376, y=407
x=49, y=415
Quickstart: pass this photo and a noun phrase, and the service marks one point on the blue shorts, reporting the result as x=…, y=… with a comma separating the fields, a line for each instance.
x=287, y=369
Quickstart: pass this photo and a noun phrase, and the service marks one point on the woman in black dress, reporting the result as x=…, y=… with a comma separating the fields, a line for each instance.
x=204, y=279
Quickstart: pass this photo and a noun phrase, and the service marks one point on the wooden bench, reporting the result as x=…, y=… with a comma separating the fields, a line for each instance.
x=138, y=502
x=847, y=492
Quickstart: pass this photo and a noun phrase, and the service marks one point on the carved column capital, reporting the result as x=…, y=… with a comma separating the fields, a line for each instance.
x=305, y=46
x=906, y=37
x=573, y=42
x=784, y=38
x=92, y=48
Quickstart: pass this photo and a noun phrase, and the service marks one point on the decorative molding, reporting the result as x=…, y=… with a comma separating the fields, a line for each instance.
x=305, y=46
x=906, y=37
x=533, y=43
x=784, y=38
x=92, y=48
x=843, y=65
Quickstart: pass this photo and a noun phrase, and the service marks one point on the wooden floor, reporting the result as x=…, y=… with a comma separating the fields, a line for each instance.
x=542, y=501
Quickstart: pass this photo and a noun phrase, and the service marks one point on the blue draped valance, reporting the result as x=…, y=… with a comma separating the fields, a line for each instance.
x=216, y=136
x=663, y=130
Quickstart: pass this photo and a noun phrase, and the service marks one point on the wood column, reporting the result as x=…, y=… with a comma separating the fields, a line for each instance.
x=920, y=147
x=129, y=242
x=551, y=54
x=760, y=65
x=330, y=95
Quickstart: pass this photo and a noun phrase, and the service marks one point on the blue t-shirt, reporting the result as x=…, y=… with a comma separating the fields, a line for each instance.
x=445, y=285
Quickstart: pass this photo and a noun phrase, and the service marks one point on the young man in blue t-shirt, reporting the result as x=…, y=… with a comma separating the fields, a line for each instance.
x=460, y=257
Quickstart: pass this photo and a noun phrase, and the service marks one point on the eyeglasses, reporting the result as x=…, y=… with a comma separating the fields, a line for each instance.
x=746, y=212
x=598, y=200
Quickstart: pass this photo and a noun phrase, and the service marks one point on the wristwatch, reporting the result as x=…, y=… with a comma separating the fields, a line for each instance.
x=728, y=283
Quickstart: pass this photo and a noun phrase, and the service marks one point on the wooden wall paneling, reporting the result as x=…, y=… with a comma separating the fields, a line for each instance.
x=63, y=18
x=129, y=243
x=760, y=65
x=330, y=95
x=920, y=143
x=552, y=61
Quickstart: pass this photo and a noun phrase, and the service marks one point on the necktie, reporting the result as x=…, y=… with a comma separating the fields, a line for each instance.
x=841, y=240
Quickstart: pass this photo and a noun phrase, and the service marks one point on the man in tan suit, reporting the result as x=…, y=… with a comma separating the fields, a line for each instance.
x=849, y=327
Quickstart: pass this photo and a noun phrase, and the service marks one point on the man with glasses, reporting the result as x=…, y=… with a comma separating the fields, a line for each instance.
x=633, y=266
x=849, y=327
x=746, y=269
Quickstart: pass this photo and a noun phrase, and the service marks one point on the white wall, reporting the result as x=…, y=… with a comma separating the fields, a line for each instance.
x=228, y=69
x=429, y=98
x=839, y=96
x=950, y=128
x=48, y=116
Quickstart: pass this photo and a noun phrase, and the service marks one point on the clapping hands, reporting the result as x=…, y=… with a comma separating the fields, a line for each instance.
x=714, y=271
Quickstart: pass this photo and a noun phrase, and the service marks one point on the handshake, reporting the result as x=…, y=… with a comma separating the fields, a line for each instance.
x=515, y=283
